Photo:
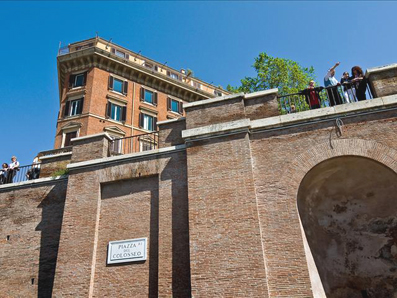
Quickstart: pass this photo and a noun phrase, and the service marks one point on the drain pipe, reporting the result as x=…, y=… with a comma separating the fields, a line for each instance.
x=132, y=111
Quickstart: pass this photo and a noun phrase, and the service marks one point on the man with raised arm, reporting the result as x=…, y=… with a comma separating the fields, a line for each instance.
x=331, y=84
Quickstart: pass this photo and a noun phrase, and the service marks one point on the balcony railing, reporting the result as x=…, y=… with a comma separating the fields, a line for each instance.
x=320, y=97
x=63, y=51
x=137, y=143
x=19, y=174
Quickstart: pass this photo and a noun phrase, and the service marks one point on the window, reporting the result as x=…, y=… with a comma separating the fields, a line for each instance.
x=173, y=75
x=118, y=85
x=68, y=137
x=73, y=107
x=116, y=112
x=174, y=105
x=77, y=80
x=196, y=85
x=86, y=46
x=147, y=64
x=120, y=53
x=217, y=93
x=149, y=96
x=147, y=122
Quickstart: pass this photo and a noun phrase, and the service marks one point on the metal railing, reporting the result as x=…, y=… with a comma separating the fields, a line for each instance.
x=137, y=143
x=19, y=174
x=63, y=50
x=320, y=97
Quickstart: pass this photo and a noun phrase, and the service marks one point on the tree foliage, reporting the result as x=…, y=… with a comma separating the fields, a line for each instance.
x=272, y=72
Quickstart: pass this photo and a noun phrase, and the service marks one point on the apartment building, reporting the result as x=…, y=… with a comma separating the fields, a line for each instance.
x=104, y=87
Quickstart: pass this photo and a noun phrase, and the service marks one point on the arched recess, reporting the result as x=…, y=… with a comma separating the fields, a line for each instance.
x=348, y=209
x=298, y=168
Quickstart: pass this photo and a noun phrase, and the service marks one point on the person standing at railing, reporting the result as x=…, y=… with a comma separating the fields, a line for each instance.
x=360, y=82
x=332, y=85
x=34, y=172
x=3, y=173
x=13, y=168
x=348, y=91
x=312, y=95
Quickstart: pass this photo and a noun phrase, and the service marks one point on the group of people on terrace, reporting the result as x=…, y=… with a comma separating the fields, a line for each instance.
x=9, y=171
x=351, y=88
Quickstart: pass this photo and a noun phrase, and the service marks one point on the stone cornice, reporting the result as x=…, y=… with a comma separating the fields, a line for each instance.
x=126, y=157
x=96, y=57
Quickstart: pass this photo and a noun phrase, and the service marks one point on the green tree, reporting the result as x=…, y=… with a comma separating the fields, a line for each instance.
x=272, y=72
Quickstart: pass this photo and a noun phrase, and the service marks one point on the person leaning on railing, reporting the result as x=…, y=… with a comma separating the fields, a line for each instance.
x=312, y=95
x=3, y=173
x=348, y=91
x=331, y=84
x=13, y=168
x=360, y=82
x=34, y=172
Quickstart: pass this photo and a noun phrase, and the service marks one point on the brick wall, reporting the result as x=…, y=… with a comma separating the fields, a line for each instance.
x=30, y=227
x=281, y=159
x=225, y=239
x=145, y=198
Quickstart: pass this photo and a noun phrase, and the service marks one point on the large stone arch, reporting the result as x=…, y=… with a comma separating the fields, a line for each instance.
x=303, y=163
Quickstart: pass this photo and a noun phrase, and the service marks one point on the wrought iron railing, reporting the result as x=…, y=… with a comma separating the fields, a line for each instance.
x=320, y=97
x=137, y=143
x=63, y=51
x=19, y=174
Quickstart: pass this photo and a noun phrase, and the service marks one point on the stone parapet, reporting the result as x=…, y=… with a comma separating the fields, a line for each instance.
x=231, y=108
x=215, y=110
x=383, y=80
x=261, y=104
x=170, y=132
x=90, y=147
x=52, y=164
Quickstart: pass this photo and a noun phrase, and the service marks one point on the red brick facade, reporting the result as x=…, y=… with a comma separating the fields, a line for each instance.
x=96, y=94
x=217, y=203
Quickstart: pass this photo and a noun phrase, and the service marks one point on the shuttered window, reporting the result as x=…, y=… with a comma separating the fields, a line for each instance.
x=77, y=80
x=116, y=112
x=196, y=84
x=120, y=54
x=73, y=107
x=174, y=106
x=68, y=137
x=118, y=85
x=148, y=96
x=147, y=122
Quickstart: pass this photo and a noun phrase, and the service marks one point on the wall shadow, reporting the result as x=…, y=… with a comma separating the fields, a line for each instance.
x=176, y=171
x=50, y=226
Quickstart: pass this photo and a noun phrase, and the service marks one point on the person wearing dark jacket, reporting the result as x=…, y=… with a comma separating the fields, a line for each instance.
x=360, y=82
x=348, y=90
x=312, y=95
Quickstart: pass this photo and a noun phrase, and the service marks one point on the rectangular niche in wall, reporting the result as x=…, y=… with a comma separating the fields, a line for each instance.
x=129, y=210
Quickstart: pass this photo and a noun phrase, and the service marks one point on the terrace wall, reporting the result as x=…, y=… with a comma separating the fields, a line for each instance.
x=217, y=202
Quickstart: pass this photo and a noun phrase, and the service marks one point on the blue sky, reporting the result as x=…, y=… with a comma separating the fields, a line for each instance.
x=217, y=40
